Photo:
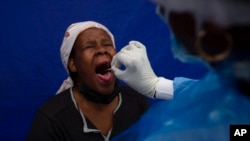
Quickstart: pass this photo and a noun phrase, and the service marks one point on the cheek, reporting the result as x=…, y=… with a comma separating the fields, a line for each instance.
x=83, y=63
x=112, y=52
x=84, y=71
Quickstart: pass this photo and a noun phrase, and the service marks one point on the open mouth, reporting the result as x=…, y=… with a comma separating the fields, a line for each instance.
x=103, y=71
x=103, y=68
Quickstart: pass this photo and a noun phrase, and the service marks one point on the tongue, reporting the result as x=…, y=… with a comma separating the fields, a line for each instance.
x=105, y=77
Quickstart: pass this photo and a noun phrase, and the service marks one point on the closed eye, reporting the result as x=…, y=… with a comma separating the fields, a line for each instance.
x=89, y=46
x=107, y=42
x=107, y=45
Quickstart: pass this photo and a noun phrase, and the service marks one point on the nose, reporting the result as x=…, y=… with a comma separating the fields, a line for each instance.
x=101, y=50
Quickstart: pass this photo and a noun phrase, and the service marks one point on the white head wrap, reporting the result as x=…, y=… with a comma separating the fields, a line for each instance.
x=222, y=12
x=68, y=42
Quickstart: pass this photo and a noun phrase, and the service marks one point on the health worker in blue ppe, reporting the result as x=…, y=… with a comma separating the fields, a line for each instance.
x=215, y=33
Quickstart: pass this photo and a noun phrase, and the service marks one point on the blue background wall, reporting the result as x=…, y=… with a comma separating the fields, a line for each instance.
x=30, y=37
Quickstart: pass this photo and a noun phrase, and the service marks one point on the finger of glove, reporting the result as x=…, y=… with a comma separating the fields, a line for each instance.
x=118, y=60
x=125, y=57
x=127, y=47
x=120, y=56
x=132, y=46
x=137, y=48
x=120, y=74
x=115, y=61
x=137, y=44
x=138, y=54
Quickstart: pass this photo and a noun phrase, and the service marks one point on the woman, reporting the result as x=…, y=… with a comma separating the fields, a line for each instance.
x=90, y=104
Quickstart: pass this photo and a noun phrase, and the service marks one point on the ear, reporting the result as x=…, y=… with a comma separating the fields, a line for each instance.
x=214, y=46
x=71, y=65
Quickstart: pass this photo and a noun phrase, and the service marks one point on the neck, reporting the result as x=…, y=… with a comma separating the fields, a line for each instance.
x=101, y=115
x=83, y=102
x=95, y=96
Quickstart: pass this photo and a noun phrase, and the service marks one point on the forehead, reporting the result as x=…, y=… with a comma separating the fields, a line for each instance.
x=93, y=33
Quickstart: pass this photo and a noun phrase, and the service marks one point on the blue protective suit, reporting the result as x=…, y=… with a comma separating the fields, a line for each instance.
x=200, y=111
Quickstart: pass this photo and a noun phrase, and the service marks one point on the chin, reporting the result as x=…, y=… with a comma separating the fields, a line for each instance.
x=105, y=89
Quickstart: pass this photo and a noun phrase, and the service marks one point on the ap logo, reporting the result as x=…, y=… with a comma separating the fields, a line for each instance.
x=239, y=132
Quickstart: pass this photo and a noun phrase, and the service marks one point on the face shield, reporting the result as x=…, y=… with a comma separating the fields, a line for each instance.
x=225, y=13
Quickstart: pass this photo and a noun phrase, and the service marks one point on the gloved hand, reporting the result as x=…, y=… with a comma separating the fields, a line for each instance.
x=138, y=73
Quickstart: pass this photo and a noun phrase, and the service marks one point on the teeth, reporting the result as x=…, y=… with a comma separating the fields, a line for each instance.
x=109, y=69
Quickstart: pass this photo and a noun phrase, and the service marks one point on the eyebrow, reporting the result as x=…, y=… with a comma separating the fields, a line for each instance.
x=106, y=39
x=90, y=42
